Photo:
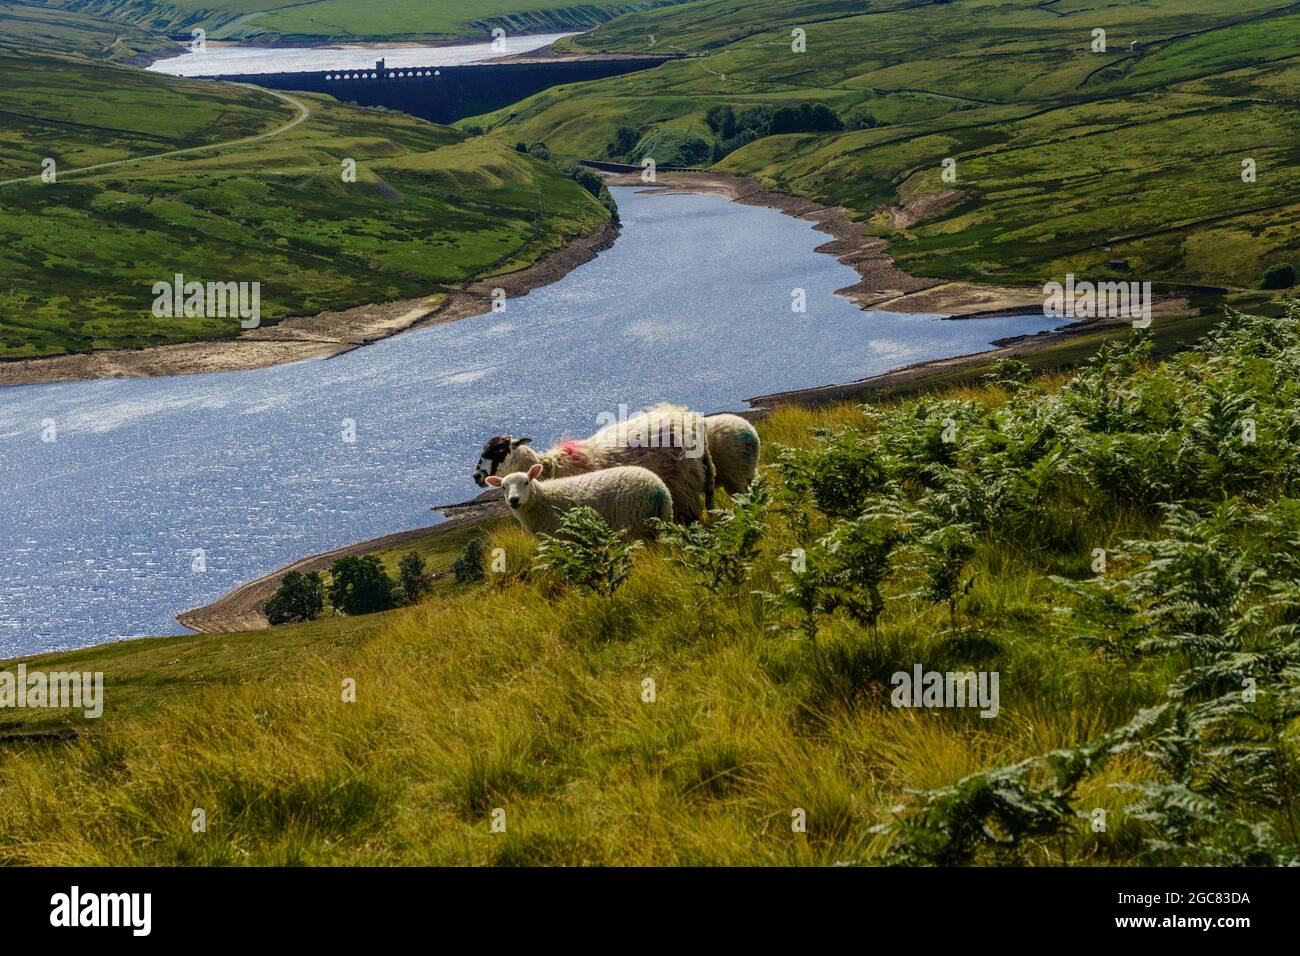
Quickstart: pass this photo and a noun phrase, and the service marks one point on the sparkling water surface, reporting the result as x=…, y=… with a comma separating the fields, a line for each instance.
x=227, y=60
x=692, y=304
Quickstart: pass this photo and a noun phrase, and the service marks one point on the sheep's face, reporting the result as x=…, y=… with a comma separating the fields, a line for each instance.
x=498, y=458
x=520, y=487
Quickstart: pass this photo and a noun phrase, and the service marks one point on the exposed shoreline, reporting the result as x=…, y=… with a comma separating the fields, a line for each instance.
x=321, y=336
x=328, y=334
x=881, y=281
x=883, y=286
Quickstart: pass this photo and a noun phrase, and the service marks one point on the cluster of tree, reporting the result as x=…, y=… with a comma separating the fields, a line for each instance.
x=736, y=128
x=592, y=182
x=623, y=144
x=732, y=128
x=358, y=585
x=1280, y=276
x=806, y=118
x=863, y=119
x=538, y=150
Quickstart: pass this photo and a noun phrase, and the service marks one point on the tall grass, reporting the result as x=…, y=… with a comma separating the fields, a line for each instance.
x=519, y=696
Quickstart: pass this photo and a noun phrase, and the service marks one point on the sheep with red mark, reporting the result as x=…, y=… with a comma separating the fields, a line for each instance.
x=627, y=498
x=668, y=440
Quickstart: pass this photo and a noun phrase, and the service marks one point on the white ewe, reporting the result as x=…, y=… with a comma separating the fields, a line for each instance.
x=667, y=439
x=626, y=497
x=733, y=448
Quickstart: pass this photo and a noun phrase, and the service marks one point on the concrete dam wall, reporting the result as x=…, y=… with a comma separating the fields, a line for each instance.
x=446, y=94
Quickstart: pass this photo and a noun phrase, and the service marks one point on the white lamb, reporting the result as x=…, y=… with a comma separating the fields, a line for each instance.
x=667, y=439
x=626, y=497
x=733, y=448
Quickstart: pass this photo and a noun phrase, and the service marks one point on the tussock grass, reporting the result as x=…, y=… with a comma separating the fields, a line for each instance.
x=505, y=696
x=659, y=725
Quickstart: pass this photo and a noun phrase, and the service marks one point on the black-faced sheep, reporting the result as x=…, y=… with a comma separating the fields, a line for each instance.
x=626, y=497
x=668, y=440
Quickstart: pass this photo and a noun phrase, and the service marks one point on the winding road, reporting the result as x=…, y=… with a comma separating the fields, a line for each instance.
x=304, y=113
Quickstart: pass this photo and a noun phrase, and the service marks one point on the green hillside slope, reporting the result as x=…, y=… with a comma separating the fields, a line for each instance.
x=1065, y=158
x=33, y=26
x=430, y=205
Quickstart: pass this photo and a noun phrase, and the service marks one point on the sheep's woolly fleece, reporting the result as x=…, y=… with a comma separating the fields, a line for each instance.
x=627, y=497
x=734, y=449
x=668, y=440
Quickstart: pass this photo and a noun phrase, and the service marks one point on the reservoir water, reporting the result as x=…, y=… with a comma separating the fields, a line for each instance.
x=229, y=60
x=101, y=528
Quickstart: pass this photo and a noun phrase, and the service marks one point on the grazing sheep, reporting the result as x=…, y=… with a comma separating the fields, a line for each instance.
x=626, y=497
x=667, y=439
x=733, y=449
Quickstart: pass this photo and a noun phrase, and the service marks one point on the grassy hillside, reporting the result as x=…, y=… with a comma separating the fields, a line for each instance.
x=430, y=206
x=34, y=26
x=1120, y=684
x=266, y=21
x=1065, y=158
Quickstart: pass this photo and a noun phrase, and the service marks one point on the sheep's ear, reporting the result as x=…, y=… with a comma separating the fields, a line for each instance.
x=515, y=443
x=494, y=481
x=534, y=471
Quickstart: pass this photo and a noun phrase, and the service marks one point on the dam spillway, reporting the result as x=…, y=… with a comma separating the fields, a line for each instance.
x=448, y=93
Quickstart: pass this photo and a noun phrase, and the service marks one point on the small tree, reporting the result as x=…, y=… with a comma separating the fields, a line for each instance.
x=468, y=568
x=722, y=120
x=586, y=552
x=360, y=585
x=413, y=577
x=300, y=597
x=624, y=142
